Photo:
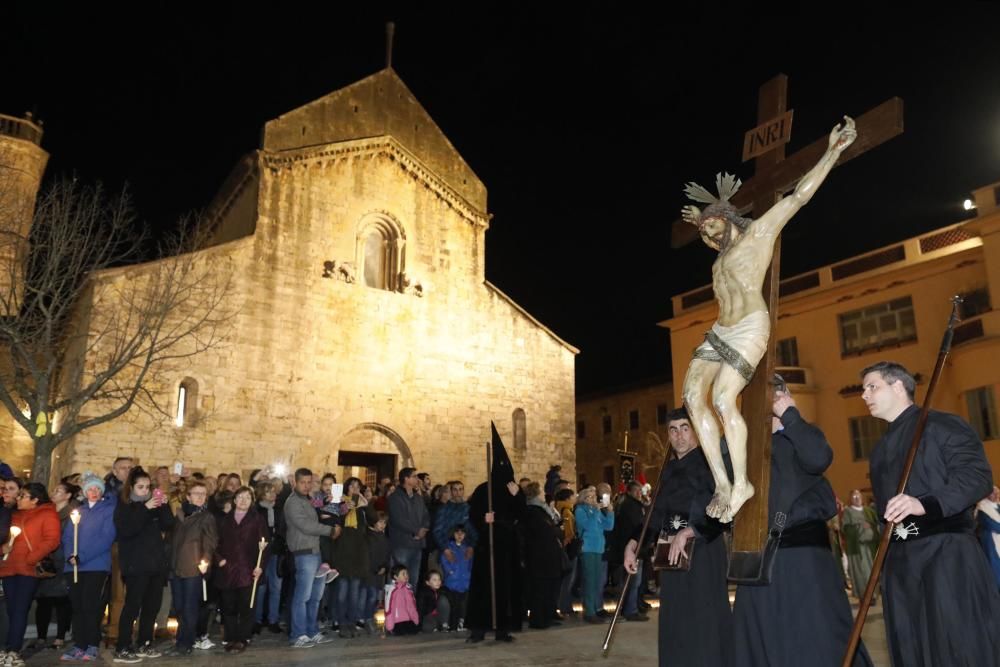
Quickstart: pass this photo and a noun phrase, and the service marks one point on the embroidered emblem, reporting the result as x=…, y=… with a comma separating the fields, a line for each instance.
x=902, y=532
x=676, y=522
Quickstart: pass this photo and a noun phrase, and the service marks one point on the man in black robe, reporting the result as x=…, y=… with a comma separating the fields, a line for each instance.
x=695, y=627
x=941, y=605
x=802, y=616
x=508, y=506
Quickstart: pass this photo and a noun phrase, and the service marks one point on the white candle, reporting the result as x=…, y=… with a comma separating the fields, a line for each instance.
x=74, y=516
x=14, y=532
x=260, y=552
x=203, y=566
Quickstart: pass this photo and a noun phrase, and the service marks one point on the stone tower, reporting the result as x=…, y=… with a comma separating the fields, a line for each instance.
x=22, y=163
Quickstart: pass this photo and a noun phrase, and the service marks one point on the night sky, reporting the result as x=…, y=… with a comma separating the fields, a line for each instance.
x=584, y=123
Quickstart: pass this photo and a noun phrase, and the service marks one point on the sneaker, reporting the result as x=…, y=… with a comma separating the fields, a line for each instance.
x=127, y=656
x=322, y=571
x=331, y=575
x=13, y=659
x=461, y=625
x=147, y=651
x=73, y=654
x=275, y=628
x=445, y=628
x=91, y=654
x=176, y=651
x=320, y=638
x=204, y=643
x=370, y=626
x=303, y=642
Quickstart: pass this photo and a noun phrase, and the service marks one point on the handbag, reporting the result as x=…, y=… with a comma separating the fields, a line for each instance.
x=756, y=568
x=45, y=568
x=661, y=554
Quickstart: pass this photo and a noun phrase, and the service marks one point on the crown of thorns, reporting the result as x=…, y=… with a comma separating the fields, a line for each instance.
x=727, y=185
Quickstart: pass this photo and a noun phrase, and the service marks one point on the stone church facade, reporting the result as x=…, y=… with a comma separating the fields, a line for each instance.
x=366, y=337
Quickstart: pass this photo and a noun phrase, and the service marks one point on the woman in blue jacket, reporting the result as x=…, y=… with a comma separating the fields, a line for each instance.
x=592, y=519
x=92, y=558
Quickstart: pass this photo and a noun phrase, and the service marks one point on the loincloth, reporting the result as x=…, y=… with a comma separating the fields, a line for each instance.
x=741, y=346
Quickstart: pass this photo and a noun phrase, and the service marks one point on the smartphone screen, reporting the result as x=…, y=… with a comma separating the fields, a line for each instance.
x=178, y=468
x=336, y=493
x=606, y=499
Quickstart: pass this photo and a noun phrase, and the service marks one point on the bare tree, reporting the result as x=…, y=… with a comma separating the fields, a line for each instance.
x=88, y=331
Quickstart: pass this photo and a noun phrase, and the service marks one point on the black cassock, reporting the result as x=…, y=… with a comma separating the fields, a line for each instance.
x=696, y=624
x=507, y=510
x=941, y=602
x=803, y=616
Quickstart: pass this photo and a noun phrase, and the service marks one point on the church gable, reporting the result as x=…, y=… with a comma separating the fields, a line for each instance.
x=378, y=105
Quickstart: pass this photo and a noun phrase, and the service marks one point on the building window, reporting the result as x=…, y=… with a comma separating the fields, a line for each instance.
x=889, y=323
x=787, y=351
x=380, y=252
x=633, y=420
x=975, y=302
x=661, y=414
x=581, y=430
x=187, y=403
x=865, y=432
x=983, y=412
x=606, y=424
x=520, y=430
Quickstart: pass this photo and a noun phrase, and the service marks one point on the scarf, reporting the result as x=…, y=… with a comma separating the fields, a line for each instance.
x=190, y=509
x=990, y=509
x=539, y=501
x=140, y=499
x=351, y=519
x=269, y=506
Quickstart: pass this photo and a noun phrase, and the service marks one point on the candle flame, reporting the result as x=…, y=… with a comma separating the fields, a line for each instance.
x=74, y=516
x=15, y=531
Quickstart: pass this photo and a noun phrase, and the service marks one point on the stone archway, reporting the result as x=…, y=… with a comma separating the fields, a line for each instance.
x=371, y=438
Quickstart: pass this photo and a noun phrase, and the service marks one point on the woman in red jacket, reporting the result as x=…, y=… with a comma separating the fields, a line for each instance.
x=240, y=533
x=39, y=523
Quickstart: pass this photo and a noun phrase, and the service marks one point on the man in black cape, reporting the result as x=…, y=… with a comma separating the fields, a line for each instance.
x=802, y=616
x=508, y=505
x=696, y=624
x=941, y=602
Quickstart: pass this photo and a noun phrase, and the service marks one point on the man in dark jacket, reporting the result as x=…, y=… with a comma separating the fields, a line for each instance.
x=409, y=523
x=628, y=521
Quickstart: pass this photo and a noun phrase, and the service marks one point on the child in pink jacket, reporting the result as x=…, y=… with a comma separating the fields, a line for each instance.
x=401, y=617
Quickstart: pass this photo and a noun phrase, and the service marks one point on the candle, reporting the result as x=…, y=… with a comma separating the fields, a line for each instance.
x=203, y=567
x=260, y=552
x=74, y=516
x=14, y=532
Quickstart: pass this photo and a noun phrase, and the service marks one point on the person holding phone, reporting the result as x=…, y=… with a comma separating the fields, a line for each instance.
x=142, y=517
x=592, y=519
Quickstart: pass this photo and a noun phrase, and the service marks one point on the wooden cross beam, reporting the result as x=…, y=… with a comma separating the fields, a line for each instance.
x=774, y=176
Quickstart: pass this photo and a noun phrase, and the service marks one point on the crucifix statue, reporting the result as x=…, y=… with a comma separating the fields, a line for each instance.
x=745, y=279
x=725, y=363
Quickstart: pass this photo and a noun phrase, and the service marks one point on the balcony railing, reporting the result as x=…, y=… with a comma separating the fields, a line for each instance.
x=21, y=128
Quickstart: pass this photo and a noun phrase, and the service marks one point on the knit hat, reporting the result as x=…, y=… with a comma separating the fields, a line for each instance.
x=89, y=479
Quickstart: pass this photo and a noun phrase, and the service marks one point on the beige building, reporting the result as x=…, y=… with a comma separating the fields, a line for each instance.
x=605, y=419
x=366, y=336
x=891, y=304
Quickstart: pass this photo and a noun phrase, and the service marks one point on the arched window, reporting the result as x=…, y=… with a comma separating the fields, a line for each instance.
x=520, y=430
x=381, y=243
x=186, y=413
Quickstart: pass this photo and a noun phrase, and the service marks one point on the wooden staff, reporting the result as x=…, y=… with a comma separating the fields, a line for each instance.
x=489, y=505
x=74, y=516
x=883, y=547
x=260, y=552
x=606, y=649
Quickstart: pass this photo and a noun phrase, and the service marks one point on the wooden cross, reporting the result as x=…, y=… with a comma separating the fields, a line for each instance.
x=774, y=176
